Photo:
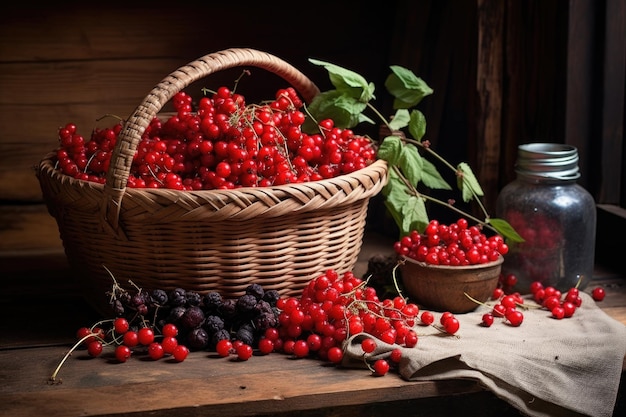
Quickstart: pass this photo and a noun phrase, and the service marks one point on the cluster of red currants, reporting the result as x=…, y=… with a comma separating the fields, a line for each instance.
x=506, y=308
x=561, y=305
x=455, y=244
x=331, y=308
x=126, y=341
x=222, y=144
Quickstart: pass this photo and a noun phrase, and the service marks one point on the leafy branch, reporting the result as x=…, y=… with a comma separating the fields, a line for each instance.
x=346, y=105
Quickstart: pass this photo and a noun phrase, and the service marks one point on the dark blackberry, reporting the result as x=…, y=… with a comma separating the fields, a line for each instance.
x=212, y=302
x=246, y=334
x=192, y=317
x=220, y=335
x=118, y=308
x=139, y=298
x=256, y=290
x=124, y=298
x=193, y=298
x=271, y=296
x=228, y=309
x=175, y=314
x=246, y=303
x=263, y=307
x=264, y=321
x=142, y=310
x=158, y=297
x=380, y=272
x=198, y=339
x=177, y=297
x=213, y=324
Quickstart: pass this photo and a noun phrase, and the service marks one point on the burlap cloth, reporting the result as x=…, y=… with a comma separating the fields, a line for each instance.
x=545, y=367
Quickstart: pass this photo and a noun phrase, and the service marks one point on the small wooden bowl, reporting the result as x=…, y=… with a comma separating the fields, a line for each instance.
x=442, y=288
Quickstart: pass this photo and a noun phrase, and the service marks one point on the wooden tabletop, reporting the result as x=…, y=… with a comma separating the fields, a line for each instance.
x=42, y=311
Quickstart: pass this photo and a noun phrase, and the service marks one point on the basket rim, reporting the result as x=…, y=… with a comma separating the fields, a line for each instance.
x=377, y=170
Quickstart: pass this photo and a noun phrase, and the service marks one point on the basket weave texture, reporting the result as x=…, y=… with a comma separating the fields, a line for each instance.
x=224, y=240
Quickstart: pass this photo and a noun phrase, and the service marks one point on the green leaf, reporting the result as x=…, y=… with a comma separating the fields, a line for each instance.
x=394, y=189
x=407, y=210
x=345, y=111
x=417, y=125
x=432, y=178
x=407, y=88
x=410, y=163
x=467, y=183
x=414, y=216
x=390, y=150
x=395, y=197
x=400, y=119
x=348, y=82
x=506, y=230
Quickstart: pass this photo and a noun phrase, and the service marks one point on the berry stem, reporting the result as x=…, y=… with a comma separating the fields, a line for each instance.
x=395, y=278
x=475, y=300
x=69, y=353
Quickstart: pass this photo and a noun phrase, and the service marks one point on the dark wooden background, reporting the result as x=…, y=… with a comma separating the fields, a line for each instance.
x=504, y=73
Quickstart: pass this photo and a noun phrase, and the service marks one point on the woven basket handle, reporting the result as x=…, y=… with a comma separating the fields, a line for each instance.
x=130, y=135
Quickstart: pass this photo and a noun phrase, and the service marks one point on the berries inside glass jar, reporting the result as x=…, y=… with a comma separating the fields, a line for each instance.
x=456, y=244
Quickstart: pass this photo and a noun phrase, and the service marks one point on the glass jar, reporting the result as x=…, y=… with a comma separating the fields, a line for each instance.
x=555, y=216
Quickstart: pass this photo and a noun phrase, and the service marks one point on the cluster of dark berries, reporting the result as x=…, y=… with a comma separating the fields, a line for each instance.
x=202, y=319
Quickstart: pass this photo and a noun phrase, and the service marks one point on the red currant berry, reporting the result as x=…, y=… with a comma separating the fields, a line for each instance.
x=145, y=336
x=445, y=317
x=169, y=343
x=266, y=346
x=381, y=367
x=180, y=353
x=535, y=286
x=131, y=338
x=155, y=351
x=395, y=355
x=510, y=280
x=122, y=353
x=84, y=332
x=427, y=318
x=170, y=329
x=569, y=309
x=411, y=339
x=94, y=348
x=121, y=325
x=224, y=347
x=335, y=354
x=498, y=310
x=558, y=312
x=300, y=349
x=497, y=293
x=244, y=352
x=314, y=341
x=515, y=317
x=368, y=345
x=451, y=325
x=598, y=294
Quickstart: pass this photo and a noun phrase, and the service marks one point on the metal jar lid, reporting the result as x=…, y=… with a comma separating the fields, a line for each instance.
x=547, y=161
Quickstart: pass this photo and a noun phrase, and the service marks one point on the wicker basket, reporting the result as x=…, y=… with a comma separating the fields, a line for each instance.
x=279, y=237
